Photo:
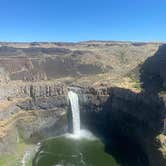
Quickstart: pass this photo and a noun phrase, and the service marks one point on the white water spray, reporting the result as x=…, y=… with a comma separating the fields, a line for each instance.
x=73, y=97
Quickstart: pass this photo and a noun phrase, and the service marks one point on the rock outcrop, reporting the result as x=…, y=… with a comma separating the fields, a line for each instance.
x=32, y=112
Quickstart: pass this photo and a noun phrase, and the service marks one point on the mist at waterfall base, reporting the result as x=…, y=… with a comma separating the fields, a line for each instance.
x=79, y=148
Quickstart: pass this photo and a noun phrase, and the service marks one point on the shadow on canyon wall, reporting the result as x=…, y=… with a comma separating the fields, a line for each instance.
x=134, y=120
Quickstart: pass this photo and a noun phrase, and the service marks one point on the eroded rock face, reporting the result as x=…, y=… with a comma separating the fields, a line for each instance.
x=36, y=112
x=35, y=125
x=31, y=89
x=48, y=61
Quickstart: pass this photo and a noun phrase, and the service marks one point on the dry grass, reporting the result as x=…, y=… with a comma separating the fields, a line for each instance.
x=162, y=139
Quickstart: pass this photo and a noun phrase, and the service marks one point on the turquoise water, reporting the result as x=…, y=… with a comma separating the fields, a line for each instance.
x=64, y=151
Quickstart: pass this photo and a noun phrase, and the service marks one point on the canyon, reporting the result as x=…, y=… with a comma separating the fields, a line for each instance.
x=120, y=85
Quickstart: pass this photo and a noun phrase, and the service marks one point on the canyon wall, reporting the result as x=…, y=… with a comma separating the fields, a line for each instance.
x=110, y=113
x=121, y=88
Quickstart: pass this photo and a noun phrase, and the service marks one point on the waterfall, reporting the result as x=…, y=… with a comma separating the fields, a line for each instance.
x=77, y=132
x=73, y=97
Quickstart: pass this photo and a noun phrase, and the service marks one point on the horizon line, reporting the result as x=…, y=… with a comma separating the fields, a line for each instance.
x=82, y=41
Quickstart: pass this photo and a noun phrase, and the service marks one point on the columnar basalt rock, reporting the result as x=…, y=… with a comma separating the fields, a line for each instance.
x=36, y=89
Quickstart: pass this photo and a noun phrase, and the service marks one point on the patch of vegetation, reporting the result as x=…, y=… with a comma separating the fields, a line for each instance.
x=16, y=158
x=137, y=84
x=122, y=55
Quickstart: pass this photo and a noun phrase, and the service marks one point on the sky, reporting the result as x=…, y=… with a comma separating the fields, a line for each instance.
x=82, y=20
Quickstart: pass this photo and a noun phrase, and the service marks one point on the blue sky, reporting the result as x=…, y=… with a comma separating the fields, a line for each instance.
x=78, y=20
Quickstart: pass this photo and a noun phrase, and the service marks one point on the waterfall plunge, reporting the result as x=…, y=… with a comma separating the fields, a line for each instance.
x=73, y=97
x=77, y=132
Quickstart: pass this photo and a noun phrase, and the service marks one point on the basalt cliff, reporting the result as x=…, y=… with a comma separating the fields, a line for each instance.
x=121, y=88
